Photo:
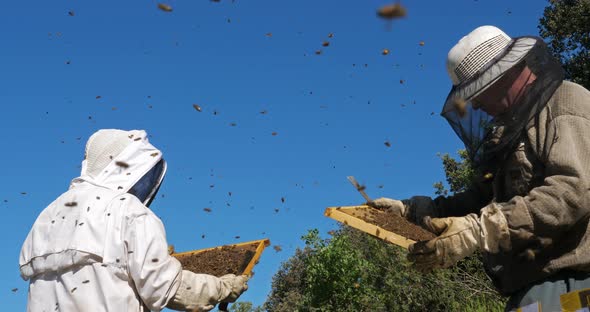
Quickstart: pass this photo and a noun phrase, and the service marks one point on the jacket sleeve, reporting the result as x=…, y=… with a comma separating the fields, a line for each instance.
x=154, y=272
x=560, y=207
x=457, y=205
x=464, y=203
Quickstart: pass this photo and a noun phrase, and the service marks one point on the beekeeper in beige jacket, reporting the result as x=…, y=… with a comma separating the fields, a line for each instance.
x=98, y=247
x=527, y=132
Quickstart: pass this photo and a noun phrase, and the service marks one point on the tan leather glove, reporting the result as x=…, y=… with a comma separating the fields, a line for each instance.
x=201, y=292
x=236, y=285
x=389, y=205
x=459, y=237
x=415, y=209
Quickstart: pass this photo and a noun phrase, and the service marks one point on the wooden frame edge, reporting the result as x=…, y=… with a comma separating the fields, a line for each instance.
x=390, y=237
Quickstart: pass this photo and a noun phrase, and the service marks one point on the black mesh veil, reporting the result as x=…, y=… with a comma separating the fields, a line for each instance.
x=146, y=188
x=486, y=137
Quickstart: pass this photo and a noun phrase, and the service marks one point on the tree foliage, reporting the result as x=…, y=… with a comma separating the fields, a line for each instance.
x=244, y=306
x=459, y=173
x=565, y=26
x=352, y=271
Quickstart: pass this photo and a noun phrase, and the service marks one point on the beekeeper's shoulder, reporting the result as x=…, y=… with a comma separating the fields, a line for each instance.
x=570, y=99
x=130, y=207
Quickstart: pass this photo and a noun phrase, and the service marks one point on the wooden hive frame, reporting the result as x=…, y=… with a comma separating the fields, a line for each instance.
x=261, y=244
x=349, y=215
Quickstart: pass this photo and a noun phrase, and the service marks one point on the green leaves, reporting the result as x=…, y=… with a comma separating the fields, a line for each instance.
x=565, y=26
x=459, y=173
x=353, y=271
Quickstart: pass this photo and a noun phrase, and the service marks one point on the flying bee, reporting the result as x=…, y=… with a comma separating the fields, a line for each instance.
x=385, y=51
x=391, y=11
x=460, y=107
x=197, y=107
x=164, y=7
x=71, y=204
x=325, y=44
x=122, y=164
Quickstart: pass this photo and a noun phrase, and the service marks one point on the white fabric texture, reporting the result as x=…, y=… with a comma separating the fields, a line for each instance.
x=201, y=292
x=475, y=50
x=97, y=248
x=103, y=146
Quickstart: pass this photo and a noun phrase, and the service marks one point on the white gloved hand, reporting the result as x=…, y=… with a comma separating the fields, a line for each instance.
x=201, y=292
x=460, y=237
x=235, y=284
x=389, y=205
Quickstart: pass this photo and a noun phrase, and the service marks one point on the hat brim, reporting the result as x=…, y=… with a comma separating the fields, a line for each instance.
x=513, y=54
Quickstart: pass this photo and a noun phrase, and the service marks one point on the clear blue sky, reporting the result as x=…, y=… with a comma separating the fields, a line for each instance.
x=331, y=112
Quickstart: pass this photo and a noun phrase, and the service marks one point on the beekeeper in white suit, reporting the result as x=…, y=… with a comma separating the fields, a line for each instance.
x=98, y=247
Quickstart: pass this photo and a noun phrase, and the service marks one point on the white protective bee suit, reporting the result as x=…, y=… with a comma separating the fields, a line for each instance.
x=98, y=247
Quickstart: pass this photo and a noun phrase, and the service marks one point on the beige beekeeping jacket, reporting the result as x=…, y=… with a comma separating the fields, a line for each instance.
x=97, y=248
x=543, y=189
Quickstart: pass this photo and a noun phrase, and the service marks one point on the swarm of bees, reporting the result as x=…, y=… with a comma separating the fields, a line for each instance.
x=392, y=11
